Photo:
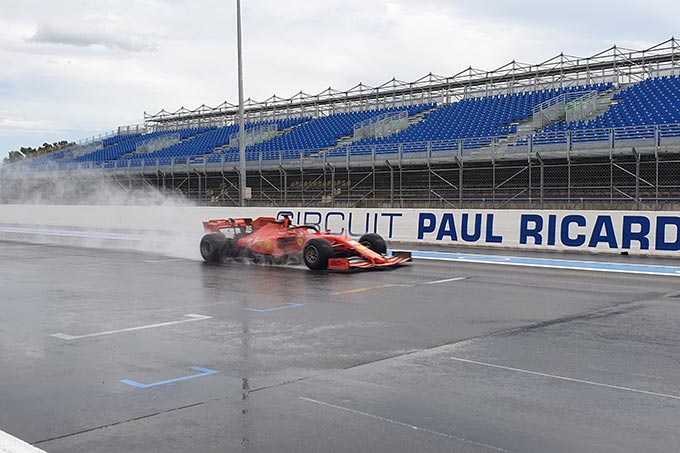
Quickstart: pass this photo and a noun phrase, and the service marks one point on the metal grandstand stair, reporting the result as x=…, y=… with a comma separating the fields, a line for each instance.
x=412, y=120
x=415, y=119
x=279, y=133
x=183, y=140
x=526, y=126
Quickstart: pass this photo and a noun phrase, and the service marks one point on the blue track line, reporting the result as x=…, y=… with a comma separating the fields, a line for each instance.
x=597, y=266
x=139, y=385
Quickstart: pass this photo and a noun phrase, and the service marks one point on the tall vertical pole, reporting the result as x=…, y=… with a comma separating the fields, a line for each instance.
x=241, y=120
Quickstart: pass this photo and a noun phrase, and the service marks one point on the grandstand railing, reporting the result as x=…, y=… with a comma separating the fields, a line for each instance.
x=96, y=138
x=131, y=129
x=598, y=141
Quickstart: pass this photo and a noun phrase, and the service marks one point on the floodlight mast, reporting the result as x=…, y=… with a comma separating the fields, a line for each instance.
x=241, y=120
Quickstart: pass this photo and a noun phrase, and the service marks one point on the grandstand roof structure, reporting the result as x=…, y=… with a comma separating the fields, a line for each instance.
x=616, y=64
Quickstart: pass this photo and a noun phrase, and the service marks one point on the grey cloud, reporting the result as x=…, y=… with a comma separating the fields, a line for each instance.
x=79, y=37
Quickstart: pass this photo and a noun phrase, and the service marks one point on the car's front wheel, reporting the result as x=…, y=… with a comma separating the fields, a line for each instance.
x=374, y=242
x=316, y=254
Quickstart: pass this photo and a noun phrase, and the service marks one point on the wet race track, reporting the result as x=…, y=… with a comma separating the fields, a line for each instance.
x=116, y=351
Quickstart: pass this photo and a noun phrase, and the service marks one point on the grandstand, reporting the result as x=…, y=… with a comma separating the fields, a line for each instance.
x=560, y=131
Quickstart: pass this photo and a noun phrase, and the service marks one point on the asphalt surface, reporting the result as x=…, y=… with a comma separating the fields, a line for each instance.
x=97, y=350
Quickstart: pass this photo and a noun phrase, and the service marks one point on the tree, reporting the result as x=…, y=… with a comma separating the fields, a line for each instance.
x=29, y=152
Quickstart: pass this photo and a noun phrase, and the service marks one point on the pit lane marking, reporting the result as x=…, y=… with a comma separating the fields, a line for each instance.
x=564, y=378
x=405, y=425
x=191, y=317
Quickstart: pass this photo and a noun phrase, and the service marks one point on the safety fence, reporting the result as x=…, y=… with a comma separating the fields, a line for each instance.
x=625, y=180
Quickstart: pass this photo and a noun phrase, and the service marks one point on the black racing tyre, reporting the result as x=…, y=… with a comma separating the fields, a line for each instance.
x=316, y=254
x=374, y=242
x=212, y=247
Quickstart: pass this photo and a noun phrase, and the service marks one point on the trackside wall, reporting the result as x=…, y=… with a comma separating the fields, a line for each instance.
x=638, y=232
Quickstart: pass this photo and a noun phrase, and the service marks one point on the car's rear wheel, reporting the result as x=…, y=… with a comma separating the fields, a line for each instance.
x=212, y=247
x=374, y=242
x=316, y=254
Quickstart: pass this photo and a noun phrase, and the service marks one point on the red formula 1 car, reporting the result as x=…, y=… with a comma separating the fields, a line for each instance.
x=278, y=241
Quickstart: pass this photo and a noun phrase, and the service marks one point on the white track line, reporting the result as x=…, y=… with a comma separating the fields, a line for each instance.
x=11, y=444
x=11, y=247
x=392, y=285
x=405, y=425
x=445, y=280
x=64, y=336
x=71, y=233
x=564, y=378
x=169, y=260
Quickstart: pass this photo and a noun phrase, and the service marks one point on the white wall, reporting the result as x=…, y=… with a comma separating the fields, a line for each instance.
x=653, y=233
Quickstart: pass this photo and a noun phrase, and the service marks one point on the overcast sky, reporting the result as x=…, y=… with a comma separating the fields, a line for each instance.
x=71, y=69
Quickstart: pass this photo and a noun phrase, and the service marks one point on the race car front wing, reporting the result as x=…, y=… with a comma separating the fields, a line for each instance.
x=397, y=258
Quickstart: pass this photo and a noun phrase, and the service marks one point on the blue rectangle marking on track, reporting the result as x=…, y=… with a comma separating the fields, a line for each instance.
x=203, y=372
x=597, y=266
x=283, y=307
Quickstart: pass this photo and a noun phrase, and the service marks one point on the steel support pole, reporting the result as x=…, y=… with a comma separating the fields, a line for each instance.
x=241, y=120
x=530, y=185
x=656, y=178
x=387, y=162
x=569, y=178
x=200, y=189
x=302, y=184
x=493, y=183
x=540, y=161
x=459, y=162
x=637, y=178
x=284, y=182
x=333, y=185
x=611, y=178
